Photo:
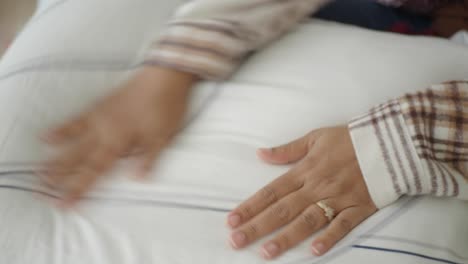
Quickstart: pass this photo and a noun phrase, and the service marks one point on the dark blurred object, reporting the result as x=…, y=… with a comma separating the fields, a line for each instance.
x=438, y=17
x=370, y=14
x=451, y=18
x=422, y=6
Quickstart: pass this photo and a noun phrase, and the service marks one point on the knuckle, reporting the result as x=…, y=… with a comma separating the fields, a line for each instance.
x=85, y=183
x=78, y=190
x=114, y=143
x=105, y=155
x=296, y=183
x=309, y=219
x=284, y=241
x=281, y=212
x=288, y=148
x=246, y=212
x=74, y=188
x=110, y=150
x=269, y=194
x=345, y=225
x=313, y=158
x=330, y=181
x=251, y=230
x=95, y=165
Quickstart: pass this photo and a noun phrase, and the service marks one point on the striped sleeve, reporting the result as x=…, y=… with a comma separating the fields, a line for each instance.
x=415, y=145
x=210, y=38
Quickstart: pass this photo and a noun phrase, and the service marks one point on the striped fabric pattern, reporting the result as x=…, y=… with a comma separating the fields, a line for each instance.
x=420, y=141
x=210, y=38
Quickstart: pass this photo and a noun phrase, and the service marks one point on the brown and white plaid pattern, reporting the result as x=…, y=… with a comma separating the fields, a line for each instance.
x=422, y=142
x=211, y=37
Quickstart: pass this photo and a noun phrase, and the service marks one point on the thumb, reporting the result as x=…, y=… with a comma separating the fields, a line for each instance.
x=286, y=154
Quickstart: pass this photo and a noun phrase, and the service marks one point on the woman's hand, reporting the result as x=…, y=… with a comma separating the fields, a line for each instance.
x=141, y=116
x=327, y=171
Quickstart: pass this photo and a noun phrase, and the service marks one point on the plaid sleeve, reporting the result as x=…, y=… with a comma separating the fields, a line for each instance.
x=210, y=38
x=415, y=145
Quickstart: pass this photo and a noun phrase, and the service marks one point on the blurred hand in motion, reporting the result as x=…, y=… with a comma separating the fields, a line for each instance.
x=325, y=187
x=142, y=117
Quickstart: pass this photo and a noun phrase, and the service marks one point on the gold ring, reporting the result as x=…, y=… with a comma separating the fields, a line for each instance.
x=329, y=212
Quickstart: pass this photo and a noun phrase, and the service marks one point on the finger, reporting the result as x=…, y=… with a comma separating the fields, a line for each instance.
x=267, y=196
x=148, y=160
x=288, y=153
x=97, y=165
x=79, y=184
x=272, y=218
x=344, y=223
x=303, y=226
x=66, y=164
x=66, y=131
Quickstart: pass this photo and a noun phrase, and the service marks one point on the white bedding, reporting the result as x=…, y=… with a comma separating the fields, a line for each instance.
x=72, y=52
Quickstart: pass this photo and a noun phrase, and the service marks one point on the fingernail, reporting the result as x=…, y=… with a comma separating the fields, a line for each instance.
x=234, y=220
x=318, y=249
x=238, y=239
x=270, y=250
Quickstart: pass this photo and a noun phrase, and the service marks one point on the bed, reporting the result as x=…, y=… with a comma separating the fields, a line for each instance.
x=73, y=52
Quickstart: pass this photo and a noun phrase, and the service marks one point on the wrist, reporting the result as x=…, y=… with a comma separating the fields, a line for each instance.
x=155, y=80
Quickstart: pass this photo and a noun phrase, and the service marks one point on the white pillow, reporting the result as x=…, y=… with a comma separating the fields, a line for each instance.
x=322, y=74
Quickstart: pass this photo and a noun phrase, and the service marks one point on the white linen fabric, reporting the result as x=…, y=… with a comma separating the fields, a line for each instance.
x=73, y=52
x=461, y=37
